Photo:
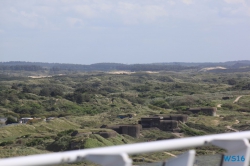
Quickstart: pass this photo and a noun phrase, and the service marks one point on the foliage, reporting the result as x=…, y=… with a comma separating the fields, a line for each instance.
x=204, y=128
x=10, y=120
x=160, y=103
x=6, y=143
x=190, y=131
x=62, y=144
x=35, y=142
x=65, y=132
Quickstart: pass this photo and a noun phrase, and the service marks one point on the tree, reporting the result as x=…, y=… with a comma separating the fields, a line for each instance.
x=44, y=92
x=26, y=89
x=78, y=98
x=231, y=81
x=56, y=92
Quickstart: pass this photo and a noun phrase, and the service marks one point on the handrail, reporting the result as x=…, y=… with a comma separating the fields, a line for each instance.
x=145, y=147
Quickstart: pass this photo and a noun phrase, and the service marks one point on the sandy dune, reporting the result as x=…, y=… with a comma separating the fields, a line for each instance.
x=213, y=68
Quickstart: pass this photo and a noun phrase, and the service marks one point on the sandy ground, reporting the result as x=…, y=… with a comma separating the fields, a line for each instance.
x=42, y=76
x=39, y=76
x=232, y=129
x=212, y=68
x=215, y=122
x=237, y=99
x=179, y=135
x=170, y=154
x=236, y=121
x=128, y=72
x=219, y=105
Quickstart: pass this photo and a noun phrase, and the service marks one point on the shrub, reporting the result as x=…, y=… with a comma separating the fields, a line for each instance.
x=189, y=131
x=204, y=128
x=62, y=144
x=65, y=132
x=34, y=142
x=10, y=120
x=6, y=143
x=160, y=103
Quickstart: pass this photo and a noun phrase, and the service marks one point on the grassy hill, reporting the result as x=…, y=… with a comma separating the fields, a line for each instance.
x=83, y=102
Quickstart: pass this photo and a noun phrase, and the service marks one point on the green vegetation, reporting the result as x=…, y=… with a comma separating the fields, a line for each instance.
x=82, y=102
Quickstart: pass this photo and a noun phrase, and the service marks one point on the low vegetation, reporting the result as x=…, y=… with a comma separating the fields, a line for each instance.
x=80, y=103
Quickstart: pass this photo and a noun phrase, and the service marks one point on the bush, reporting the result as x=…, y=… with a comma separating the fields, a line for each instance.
x=10, y=120
x=243, y=110
x=92, y=143
x=160, y=103
x=61, y=144
x=142, y=88
x=35, y=142
x=6, y=143
x=204, y=128
x=192, y=132
x=65, y=132
x=229, y=106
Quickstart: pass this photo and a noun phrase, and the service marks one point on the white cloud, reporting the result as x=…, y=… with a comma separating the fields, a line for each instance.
x=85, y=10
x=188, y=2
x=135, y=13
x=234, y=1
x=75, y=22
x=100, y=13
x=239, y=10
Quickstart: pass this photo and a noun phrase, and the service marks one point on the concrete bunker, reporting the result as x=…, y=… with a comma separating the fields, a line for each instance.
x=131, y=130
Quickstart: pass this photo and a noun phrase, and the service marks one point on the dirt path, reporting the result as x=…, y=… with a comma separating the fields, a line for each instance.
x=232, y=129
x=170, y=154
x=179, y=135
x=236, y=121
x=237, y=99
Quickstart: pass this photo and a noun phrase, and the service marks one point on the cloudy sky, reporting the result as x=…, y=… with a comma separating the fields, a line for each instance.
x=124, y=31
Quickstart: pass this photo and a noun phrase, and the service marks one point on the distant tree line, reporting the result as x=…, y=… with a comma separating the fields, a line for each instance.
x=22, y=67
x=95, y=67
x=54, y=67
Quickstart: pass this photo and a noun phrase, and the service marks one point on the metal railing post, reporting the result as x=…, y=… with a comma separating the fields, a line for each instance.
x=110, y=159
x=238, y=151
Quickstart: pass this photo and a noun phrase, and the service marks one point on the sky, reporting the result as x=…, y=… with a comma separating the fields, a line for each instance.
x=124, y=31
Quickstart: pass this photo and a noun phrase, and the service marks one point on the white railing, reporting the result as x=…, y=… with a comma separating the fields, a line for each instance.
x=236, y=144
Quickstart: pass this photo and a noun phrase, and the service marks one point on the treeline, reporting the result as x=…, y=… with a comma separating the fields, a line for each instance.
x=153, y=67
x=234, y=66
x=98, y=67
x=22, y=68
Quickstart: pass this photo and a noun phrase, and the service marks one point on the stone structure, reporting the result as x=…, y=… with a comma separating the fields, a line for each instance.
x=182, y=118
x=169, y=125
x=3, y=120
x=165, y=123
x=210, y=111
x=131, y=130
x=50, y=118
x=25, y=120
